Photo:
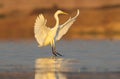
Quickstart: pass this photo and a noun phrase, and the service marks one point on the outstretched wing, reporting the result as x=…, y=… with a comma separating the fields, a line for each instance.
x=62, y=30
x=40, y=29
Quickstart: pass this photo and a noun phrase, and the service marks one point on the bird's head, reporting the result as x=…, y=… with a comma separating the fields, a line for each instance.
x=60, y=12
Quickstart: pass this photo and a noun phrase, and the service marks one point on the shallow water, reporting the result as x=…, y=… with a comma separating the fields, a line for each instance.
x=93, y=55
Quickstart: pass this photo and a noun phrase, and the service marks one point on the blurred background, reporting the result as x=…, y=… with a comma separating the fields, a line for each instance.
x=99, y=19
x=87, y=45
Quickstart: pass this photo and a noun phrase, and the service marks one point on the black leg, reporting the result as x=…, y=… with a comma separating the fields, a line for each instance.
x=55, y=53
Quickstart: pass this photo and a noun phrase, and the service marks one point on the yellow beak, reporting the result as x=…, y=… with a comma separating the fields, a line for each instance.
x=65, y=13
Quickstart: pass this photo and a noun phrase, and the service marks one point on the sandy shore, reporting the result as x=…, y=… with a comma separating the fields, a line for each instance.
x=73, y=75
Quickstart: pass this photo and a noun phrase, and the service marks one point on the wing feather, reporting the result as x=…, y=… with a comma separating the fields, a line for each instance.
x=40, y=29
x=62, y=30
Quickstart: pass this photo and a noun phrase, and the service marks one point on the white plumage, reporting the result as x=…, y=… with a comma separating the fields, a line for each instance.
x=40, y=29
x=45, y=35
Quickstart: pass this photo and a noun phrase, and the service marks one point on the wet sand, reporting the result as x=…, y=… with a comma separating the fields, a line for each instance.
x=84, y=75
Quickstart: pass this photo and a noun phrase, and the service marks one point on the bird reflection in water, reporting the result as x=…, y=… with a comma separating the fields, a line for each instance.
x=52, y=68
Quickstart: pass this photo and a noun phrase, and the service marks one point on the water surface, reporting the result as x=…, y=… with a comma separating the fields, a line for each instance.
x=93, y=55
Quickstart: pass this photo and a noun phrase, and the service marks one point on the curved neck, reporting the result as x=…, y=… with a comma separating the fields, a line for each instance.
x=57, y=20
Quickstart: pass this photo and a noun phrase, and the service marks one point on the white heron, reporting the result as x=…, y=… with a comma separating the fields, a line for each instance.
x=45, y=35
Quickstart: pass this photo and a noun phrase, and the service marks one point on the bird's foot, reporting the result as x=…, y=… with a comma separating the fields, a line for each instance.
x=56, y=53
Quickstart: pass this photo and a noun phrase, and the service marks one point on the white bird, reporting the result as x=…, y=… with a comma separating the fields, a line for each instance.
x=45, y=35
